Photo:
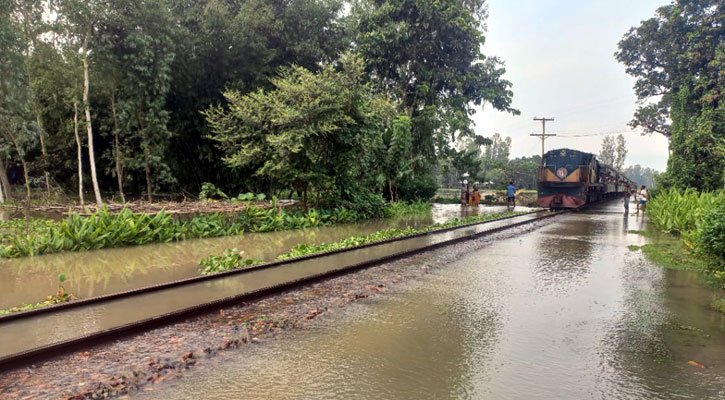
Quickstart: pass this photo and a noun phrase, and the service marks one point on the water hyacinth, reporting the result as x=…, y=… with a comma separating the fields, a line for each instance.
x=103, y=229
x=233, y=259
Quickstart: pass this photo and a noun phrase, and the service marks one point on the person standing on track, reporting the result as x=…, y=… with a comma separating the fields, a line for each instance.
x=643, y=195
x=511, y=192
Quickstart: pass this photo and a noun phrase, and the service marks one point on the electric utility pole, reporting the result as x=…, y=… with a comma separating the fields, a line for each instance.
x=543, y=134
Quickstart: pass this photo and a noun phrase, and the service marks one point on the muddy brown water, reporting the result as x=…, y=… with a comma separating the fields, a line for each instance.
x=564, y=312
x=32, y=332
x=100, y=272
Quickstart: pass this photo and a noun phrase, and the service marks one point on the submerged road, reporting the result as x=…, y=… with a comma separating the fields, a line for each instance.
x=564, y=312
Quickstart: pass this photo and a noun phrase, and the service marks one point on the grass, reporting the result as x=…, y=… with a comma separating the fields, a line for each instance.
x=672, y=253
x=669, y=251
x=233, y=258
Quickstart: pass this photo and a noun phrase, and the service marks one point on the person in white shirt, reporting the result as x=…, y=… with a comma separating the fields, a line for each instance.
x=643, y=195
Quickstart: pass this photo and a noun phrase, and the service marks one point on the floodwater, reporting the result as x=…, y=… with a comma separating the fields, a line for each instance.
x=106, y=271
x=564, y=312
x=32, y=332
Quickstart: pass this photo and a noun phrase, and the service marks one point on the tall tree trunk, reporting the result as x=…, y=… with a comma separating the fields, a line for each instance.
x=117, y=149
x=27, y=195
x=4, y=180
x=147, y=162
x=41, y=134
x=21, y=154
x=80, y=153
x=148, y=172
x=91, y=155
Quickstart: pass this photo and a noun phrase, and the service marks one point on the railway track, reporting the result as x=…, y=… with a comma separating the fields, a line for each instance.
x=44, y=333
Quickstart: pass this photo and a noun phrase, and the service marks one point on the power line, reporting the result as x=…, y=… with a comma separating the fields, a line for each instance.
x=596, y=134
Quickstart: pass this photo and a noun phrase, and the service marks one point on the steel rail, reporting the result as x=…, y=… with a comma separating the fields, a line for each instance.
x=56, y=349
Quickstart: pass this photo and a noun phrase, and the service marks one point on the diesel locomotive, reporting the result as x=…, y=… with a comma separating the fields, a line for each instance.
x=571, y=179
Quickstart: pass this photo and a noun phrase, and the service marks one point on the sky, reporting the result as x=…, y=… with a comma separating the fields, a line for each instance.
x=559, y=55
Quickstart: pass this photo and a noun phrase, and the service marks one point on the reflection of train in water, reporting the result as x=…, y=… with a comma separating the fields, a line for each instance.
x=571, y=178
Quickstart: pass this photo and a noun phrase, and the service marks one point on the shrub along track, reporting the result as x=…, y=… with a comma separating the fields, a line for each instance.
x=51, y=317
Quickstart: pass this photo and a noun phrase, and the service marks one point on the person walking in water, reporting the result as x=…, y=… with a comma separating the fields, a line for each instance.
x=464, y=194
x=627, y=194
x=511, y=192
x=643, y=195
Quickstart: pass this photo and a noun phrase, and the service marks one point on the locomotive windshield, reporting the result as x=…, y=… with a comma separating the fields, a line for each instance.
x=567, y=159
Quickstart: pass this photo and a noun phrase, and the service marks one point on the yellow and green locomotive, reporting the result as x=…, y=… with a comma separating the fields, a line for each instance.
x=571, y=179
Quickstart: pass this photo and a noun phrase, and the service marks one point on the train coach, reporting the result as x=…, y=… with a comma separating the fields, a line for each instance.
x=571, y=179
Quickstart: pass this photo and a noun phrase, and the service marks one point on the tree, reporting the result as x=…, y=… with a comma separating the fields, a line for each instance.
x=397, y=165
x=138, y=37
x=620, y=153
x=678, y=57
x=641, y=175
x=607, y=153
x=15, y=100
x=523, y=171
x=496, y=159
x=427, y=57
x=30, y=13
x=237, y=45
x=81, y=19
x=308, y=133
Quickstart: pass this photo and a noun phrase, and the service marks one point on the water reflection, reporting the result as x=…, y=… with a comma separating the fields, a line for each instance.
x=563, y=254
x=483, y=327
x=94, y=273
x=667, y=324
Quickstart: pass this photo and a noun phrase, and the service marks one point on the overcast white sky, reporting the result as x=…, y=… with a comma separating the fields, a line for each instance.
x=559, y=57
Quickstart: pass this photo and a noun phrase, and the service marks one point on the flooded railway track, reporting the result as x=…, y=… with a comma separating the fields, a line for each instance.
x=45, y=333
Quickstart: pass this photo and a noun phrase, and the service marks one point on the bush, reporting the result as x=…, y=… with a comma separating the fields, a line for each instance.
x=675, y=211
x=209, y=191
x=423, y=187
x=366, y=204
x=711, y=232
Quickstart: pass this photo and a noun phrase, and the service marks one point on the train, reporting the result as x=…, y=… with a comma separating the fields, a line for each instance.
x=572, y=179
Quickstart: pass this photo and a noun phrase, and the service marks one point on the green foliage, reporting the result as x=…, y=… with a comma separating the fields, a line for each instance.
x=210, y=191
x=428, y=55
x=398, y=165
x=711, y=232
x=421, y=188
x=678, y=57
x=401, y=208
x=231, y=259
x=234, y=259
x=718, y=304
x=250, y=196
x=104, y=230
x=699, y=218
x=312, y=132
x=641, y=176
x=681, y=212
x=670, y=252
x=386, y=234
